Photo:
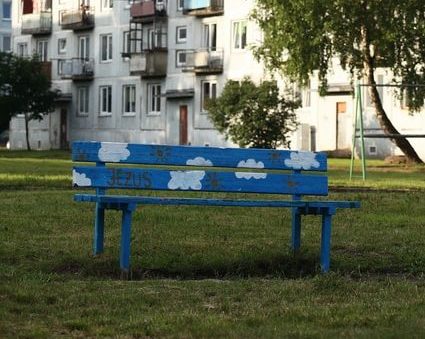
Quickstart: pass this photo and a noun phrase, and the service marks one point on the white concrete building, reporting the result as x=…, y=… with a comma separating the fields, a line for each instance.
x=140, y=71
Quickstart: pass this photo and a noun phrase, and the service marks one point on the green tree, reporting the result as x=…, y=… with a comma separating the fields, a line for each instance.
x=253, y=116
x=24, y=89
x=301, y=36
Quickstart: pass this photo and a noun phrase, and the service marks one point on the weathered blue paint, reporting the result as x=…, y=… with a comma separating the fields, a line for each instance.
x=210, y=181
x=257, y=180
x=195, y=156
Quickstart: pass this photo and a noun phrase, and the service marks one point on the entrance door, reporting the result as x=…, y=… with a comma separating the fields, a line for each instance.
x=63, y=129
x=183, y=125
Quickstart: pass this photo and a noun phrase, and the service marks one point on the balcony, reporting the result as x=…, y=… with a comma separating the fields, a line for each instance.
x=76, y=69
x=37, y=23
x=148, y=10
x=203, y=8
x=78, y=19
x=204, y=61
x=149, y=64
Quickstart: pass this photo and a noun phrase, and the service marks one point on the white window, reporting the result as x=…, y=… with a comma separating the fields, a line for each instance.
x=42, y=48
x=107, y=4
x=7, y=5
x=6, y=43
x=22, y=49
x=61, y=46
x=209, y=91
x=105, y=99
x=180, y=58
x=83, y=101
x=181, y=34
x=209, y=36
x=129, y=99
x=154, y=99
x=180, y=5
x=239, y=34
x=155, y=39
x=83, y=47
x=126, y=42
x=106, y=47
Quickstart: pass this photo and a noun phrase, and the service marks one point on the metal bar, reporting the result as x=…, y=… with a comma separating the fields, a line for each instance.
x=388, y=136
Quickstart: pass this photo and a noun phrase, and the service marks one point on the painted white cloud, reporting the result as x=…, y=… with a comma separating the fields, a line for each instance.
x=199, y=161
x=302, y=160
x=250, y=163
x=250, y=175
x=186, y=180
x=80, y=179
x=113, y=152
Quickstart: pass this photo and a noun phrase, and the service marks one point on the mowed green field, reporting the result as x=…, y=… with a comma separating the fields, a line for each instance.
x=210, y=272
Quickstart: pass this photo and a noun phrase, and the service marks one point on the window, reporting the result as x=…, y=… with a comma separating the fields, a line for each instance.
x=42, y=46
x=209, y=91
x=6, y=43
x=7, y=10
x=83, y=47
x=107, y=4
x=209, y=36
x=22, y=49
x=156, y=39
x=105, y=100
x=180, y=58
x=106, y=47
x=83, y=101
x=61, y=46
x=180, y=5
x=126, y=47
x=239, y=34
x=154, y=99
x=181, y=34
x=129, y=99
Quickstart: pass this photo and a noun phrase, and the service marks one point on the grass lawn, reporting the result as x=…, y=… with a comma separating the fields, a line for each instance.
x=210, y=272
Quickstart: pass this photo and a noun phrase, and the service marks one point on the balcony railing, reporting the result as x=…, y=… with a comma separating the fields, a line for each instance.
x=78, y=19
x=76, y=68
x=37, y=23
x=203, y=8
x=204, y=61
x=149, y=64
x=146, y=10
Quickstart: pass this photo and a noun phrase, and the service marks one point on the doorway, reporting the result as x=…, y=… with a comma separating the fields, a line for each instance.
x=183, y=137
x=342, y=121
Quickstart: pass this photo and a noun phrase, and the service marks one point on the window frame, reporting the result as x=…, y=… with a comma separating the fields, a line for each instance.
x=131, y=95
x=178, y=53
x=61, y=50
x=5, y=3
x=154, y=99
x=86, y=94
x=108, y=102
x=107, y=44
x=240, y=36
x=180, y=40
x=212, y=94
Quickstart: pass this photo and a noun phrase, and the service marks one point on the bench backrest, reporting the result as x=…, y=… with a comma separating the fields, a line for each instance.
x=205, y=169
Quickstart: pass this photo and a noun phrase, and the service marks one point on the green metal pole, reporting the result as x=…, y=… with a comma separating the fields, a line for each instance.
x=362, y=149
x=353, y=145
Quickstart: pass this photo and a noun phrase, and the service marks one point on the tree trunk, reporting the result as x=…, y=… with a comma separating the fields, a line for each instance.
x=381, y=115
x=27, y=135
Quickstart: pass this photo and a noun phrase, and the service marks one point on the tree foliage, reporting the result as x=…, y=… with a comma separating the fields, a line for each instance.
x=24, y=89
x=253, y=115
x=301, y=36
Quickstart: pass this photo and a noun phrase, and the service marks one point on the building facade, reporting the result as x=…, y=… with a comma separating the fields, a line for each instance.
x=142, y=70
x=5, y=25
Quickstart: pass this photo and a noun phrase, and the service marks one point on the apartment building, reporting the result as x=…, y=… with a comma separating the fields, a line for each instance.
x=5, y=25
x=142, y=70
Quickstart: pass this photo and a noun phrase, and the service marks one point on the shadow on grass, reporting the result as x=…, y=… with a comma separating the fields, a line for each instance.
x=282, y=266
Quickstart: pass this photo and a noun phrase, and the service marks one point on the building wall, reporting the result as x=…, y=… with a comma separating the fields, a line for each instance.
x=321, y=127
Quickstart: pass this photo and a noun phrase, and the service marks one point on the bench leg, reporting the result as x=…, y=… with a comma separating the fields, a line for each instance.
x=125, y=242
x=99, y=229
x=326, y=242
x=296, y=230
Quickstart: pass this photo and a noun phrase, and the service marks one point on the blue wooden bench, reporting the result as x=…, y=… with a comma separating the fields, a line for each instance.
x=253, y=171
